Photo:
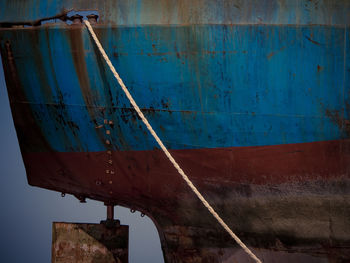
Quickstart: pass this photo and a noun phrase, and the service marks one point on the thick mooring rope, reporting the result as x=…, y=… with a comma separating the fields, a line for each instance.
x=165, y=150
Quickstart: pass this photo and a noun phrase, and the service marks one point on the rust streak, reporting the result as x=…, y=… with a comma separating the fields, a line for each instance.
x=313, y=41
x=270, y=55
x=343, y=124
x=22, y=113
x=319, y=68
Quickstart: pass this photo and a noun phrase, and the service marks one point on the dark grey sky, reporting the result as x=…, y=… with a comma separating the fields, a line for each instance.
x=27, y=212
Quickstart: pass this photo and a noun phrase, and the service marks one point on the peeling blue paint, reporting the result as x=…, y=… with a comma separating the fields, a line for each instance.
x=201, y=86
x=180, y=12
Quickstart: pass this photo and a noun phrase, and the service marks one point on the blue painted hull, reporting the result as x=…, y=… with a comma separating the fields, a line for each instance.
x=251, y=98
x=204, y=86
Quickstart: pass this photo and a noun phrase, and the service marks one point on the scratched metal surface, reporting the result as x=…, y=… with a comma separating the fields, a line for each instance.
x=136, y=12
x=216, y=79
x=204, y=86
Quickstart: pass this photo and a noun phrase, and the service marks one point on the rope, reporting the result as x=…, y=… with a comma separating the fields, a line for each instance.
x=165, y=150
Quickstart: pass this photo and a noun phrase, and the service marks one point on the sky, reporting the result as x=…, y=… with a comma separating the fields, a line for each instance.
x=27, y=212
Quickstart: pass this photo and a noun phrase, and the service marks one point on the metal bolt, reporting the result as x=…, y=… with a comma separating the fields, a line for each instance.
x=108, y=142
x=63, y=194
x=112, y=172
x=107, y=171
x=109, y=152
x=110, y=161
x=110, y=122
x=92, y=18
x=110, y=182
x=142, y=215
x=132, y=210
x=77, y=19
x=108, y=132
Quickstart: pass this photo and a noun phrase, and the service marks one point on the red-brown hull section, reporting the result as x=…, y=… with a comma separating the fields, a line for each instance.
x=148, y=172
x=290, y=198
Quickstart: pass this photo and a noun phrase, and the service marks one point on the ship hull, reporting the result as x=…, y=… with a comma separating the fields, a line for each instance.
x=289, y=201
x=251, y=99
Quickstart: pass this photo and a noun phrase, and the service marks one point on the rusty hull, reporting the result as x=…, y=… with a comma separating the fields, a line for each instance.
x=251, y=97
